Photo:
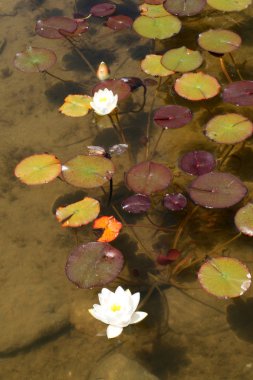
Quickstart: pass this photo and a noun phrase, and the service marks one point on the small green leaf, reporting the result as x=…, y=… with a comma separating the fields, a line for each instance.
x=79, y=213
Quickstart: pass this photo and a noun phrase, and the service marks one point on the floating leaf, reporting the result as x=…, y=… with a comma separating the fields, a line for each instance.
x=82, y=27
x=79, y=213
x=103, y=9
x=229, y=5
x=119, y=22
x=244, y=219
x=217, y=190
x=117, y=86
x=151, y=65
x=219, y=41
x=239, y=93
x=171, y=117
x=230, y=128
x=133, y=82
x=118, y=149
x=175, y=202
x=76, y=105
x=34, y=60
x=148, y=177
x=197, y=162
x=38, y=169
x=136, y=204
x=111, y=227
x=93, y=264
x=197, y=86
x=224, y=277
x=88, y=171
x=160, y=27
x=185, y=7
x=55, y=27
x=153, y=10
x=182, y=59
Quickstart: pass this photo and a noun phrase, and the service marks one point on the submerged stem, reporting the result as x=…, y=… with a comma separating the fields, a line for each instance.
x=54, y=76
x=224, y=70
x=157, y=143
x=235, y=66
x=78, y=51
x=182, y=225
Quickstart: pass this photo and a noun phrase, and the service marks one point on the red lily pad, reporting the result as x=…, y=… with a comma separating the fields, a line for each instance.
x=239, y=93
x=148, y=177
x=119, y=22
x=159, y=27
x=197, y=86
x=172, y=117
x=103, y=9
x=175, y=202
x=35, y=60
x=55, y=27
x=117, y=86
x=244, y=219
x=38, y=169
x=197, y=162
x=88, y=171
x=185, y=7
x=136, y=204
x=93, y=264
x=217, y=190
x=182, y=59
x=219, y=41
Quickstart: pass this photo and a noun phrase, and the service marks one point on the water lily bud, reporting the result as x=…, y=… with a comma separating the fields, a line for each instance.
x=103, y=72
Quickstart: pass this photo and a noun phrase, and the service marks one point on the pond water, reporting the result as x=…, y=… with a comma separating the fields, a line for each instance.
x=46, y=330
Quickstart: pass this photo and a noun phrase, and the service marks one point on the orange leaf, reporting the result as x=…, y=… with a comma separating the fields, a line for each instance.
x=111, y=227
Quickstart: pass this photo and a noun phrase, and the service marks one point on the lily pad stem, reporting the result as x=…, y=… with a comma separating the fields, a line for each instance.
x=235, y=66
x=157, y=143
x=54, y=76
x=224, y=70
x=78, y=51
x=182, y=225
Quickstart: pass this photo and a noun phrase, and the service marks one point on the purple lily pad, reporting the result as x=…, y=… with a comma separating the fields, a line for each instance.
x=239, y=93
x=148, y=177
x=175, y=202
x=197, y=162
x=103, y=9
x=217, y=190
x=93, y=264
x=119, y=22
x=136, y=204
x=172, y=116
x=117, y=86
x=185, y=7
x=55, y=27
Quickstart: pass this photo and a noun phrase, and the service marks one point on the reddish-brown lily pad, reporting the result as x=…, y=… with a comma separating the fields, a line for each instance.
x=239, y=93
x=88, y=171
x=148, y=177
x=184, y=7
x=175, y=201
x=103, y=9
x=38, y=169
x=55, y=27
x=119, y=22
x=219, y=41
x=34, y=60
x=136, y=204
x=171, y=116
x=197, y=162
x=244, y=219
x=93, y=264
x=217, y=190
x=117, y=86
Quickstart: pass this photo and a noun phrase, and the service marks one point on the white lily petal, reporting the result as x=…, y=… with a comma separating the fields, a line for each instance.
x=113, y=331
x=138, y=316
x=105, y=296
x=135, y=299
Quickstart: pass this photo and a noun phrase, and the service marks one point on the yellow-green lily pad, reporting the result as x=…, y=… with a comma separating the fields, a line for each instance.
x=244, y=219
x=229, y=5
x=76, y=105
x=152, y=10
x=151, y=65
x=182, y=59
x=219, y=41
x=159, y=27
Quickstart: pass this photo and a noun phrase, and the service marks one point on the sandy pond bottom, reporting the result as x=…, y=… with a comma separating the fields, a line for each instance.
x=46, y=331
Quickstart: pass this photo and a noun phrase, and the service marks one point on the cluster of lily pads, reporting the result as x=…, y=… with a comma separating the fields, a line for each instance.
x=98, y=263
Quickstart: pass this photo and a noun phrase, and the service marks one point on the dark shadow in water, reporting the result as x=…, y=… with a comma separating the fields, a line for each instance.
x=58, y=92
x=50, y=13
x=241, y=163
x=67, y=199
x=240, y=318
x=140, y=51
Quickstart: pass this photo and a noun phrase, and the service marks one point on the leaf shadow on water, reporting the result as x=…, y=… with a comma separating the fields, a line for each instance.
x=240, y=318
x=58, y=92
x=241, y=163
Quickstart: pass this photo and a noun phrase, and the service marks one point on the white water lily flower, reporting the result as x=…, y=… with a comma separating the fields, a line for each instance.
x=104, y=102
x=117, y=310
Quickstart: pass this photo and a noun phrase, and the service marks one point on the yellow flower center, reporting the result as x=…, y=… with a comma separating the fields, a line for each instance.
x=103, y=100
x=115, y=307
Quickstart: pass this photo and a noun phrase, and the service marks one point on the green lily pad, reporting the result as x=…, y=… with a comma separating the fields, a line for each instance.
x=79, y=213
x=219, y=41
x=88, y=171
x=38, y=169
x=151, y=10
x=160, y=27
x=93, y=264
x=151, y=65
x=182, y=59
x=229, y=5
x=230, y=128
x=244, y=219
x=34, y=60
x=224, y=277
x=197, y=86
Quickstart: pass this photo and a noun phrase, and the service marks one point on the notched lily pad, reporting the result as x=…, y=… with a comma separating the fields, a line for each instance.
x=93, y=264
x=151, y=65
x=55, y=27
x=153, y=10
x=185, y=7
x=197, y=162
x=239, y=93
x=219, y=41
x=217, y=190
x=160, y=27
x=136, y=204
x=110, y=226
x=230, y=128
x=88, y=171
x=148, y=177
x=224, y=277
x=38, y=169
x=172, y=117
x=182, y=59
x=229, y=5
x=76, y=105
x=244, y=219
x=117, y=86
x=79, y=213
x=34, y=60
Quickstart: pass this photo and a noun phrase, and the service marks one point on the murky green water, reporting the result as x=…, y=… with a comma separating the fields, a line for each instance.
x=46, y=331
